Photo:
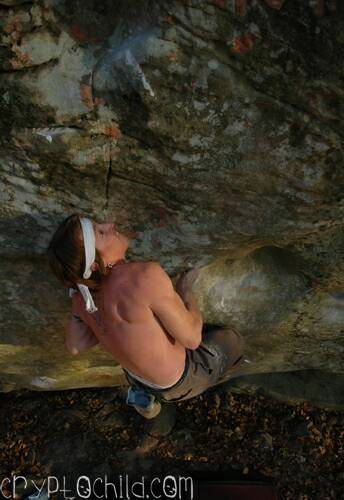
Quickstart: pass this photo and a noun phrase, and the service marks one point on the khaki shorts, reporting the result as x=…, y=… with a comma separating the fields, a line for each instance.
x=219, y=355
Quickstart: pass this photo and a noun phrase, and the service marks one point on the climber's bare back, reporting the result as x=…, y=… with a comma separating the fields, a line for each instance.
x=142, y=344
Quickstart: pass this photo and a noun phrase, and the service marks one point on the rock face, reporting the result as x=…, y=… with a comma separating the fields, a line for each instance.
x=213, y=131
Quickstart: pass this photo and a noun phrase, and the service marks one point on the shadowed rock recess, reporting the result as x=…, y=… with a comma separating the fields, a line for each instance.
x=212, y=130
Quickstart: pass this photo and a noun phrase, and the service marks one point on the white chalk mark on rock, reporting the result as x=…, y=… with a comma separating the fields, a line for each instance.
x=49, y=133
x=131, y=61
x=46, y=135
x=43, y=381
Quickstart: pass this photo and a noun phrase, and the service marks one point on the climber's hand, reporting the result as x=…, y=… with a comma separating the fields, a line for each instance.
x=186, y=279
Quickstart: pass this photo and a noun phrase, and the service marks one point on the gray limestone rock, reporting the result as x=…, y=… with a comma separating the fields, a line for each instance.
x=320, y=388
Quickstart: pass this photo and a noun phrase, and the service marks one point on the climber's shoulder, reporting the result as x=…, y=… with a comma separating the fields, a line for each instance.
x=133, y=275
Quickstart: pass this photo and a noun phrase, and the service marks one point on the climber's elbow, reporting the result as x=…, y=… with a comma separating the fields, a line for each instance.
x=72, y=349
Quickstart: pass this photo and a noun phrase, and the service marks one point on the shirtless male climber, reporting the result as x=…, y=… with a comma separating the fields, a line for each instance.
x=152, y=330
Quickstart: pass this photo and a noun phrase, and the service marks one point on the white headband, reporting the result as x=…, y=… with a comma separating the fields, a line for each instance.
x=90, y=255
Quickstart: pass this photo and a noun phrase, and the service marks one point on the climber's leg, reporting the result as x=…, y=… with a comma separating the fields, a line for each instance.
x=231, y=346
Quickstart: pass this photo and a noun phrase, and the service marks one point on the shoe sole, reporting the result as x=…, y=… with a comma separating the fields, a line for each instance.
x=152, y=413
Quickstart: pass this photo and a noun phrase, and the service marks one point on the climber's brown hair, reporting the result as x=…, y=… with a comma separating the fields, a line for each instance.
x=66, y=254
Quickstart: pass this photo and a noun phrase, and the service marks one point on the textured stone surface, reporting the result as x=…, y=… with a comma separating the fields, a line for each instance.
x=320, y=388
x=211, y=129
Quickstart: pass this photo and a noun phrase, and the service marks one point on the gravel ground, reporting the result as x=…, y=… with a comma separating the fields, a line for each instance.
x=299, y=449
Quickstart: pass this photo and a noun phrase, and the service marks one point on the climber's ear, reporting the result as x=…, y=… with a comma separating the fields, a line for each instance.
x=95, y=266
